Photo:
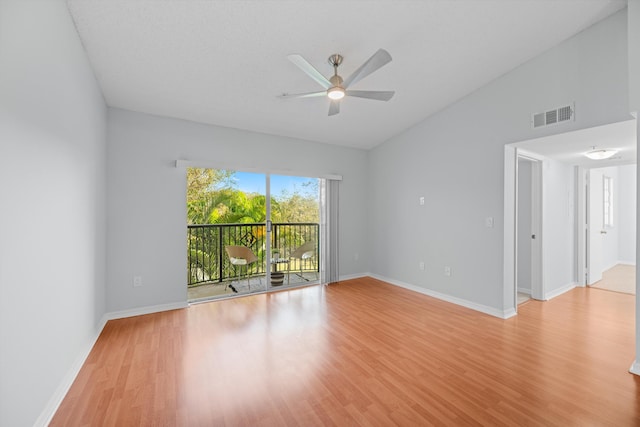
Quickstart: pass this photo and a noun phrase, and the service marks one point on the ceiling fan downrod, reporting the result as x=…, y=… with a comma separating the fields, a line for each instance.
x=336, y=91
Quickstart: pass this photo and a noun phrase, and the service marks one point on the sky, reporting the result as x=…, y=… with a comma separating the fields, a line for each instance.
x=255, y=183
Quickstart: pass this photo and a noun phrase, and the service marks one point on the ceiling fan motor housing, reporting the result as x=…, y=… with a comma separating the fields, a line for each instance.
x=335, y=60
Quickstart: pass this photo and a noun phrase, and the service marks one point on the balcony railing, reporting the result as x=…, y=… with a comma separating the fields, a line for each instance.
x=208, y=261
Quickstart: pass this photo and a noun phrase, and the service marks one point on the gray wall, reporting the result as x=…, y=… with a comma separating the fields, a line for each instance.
x=147, y=193
x=455, y=159
x=52, y=191
x=634, y=56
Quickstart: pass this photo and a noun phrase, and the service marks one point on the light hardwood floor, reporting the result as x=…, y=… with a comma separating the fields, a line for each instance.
x=363, y=352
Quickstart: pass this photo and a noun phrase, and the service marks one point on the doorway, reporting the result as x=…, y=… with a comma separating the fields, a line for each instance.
x=245, y=231
x=610, y=238
x=596, y=230
x=528, y=227
x=563, y=222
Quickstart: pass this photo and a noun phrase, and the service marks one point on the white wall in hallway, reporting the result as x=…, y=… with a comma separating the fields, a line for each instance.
x=626, y=209
x=558, y=225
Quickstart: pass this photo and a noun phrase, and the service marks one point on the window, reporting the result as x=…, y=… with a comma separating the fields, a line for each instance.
x=607, y=187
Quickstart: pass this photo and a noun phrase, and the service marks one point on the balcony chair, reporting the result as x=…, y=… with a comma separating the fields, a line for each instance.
x=303, y=253
x=241, y=255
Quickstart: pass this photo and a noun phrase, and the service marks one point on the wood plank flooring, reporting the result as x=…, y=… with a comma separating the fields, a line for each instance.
x=363, y=352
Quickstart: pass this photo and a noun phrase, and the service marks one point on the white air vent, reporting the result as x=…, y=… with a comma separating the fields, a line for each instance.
x=551, y=117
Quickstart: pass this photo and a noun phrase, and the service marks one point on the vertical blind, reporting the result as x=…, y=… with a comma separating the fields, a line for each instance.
x=329, y=228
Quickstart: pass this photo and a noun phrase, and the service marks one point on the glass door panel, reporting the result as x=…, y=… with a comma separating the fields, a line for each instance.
x=295, y=216
x=226, y=233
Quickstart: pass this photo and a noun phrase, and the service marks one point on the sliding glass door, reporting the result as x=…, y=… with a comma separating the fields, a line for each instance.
x=250, y=232
x=295, y=230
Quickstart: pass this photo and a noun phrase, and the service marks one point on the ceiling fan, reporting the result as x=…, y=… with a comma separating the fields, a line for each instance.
x=335, y=87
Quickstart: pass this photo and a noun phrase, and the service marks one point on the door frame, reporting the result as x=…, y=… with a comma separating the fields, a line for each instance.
x=582, y=227
x=510, y=269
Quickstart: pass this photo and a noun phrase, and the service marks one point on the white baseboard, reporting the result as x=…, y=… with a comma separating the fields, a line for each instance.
x=554, y=293
x=635, y=368
x=353, y=276
x=146, y=310
x=58, y=396
x=510, y=312
x=524, y=291
x=502, y=314
x=626, y=263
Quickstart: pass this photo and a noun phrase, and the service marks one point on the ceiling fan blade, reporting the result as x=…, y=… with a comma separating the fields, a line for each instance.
x=380, y=58
x=378, y=95
x=310, y=70
x=334, y=108
x=303, y=95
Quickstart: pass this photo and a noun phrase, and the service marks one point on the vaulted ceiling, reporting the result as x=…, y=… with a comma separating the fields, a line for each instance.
x=225, y=62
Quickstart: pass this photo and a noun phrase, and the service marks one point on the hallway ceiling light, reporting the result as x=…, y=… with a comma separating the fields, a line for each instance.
x=600, y=154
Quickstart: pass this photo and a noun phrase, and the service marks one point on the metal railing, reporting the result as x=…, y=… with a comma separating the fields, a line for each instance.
x=207, y=260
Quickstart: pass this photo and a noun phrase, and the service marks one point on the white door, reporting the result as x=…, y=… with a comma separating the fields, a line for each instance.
x=595, y=225
x=529, y=225
x=524, y=227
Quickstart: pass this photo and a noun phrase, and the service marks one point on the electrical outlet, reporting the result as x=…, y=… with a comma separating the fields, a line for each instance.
x=421, y=201
x=488, y=222
x=137, y=281
x=447, y=271
x=421, y=265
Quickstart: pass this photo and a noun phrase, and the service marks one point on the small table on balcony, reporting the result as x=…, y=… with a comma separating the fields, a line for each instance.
x=277, y=277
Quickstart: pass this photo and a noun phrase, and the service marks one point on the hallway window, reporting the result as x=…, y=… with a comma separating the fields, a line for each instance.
x=607, y=186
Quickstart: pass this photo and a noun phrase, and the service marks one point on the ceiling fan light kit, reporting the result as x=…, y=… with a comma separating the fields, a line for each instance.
x=335, y=87
x=600, y=154
x=335, y=93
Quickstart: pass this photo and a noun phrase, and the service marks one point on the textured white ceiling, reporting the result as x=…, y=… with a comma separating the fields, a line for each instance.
x=570, y=147
x=224, y=62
